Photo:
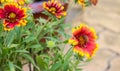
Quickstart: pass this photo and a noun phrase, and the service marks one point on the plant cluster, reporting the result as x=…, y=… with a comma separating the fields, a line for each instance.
x=40, y=43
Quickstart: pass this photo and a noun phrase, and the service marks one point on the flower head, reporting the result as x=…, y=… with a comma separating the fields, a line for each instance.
x=21, y=2
x=87, y=2
x=3, y=1
x=54, y=8
x=12, y=15
x=82, y=2
x=84, y=40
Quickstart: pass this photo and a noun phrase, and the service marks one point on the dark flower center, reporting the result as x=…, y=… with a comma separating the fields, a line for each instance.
x=11, y=17
x=83, y=40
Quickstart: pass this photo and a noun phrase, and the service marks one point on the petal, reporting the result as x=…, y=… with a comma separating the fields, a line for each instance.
x=79, y=50
x=73, y=41
x=2, y=15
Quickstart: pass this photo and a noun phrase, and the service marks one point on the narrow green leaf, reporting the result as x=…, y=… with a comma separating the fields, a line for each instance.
x=9, y=38
x=18, y=67
x=78, y=69
x=36, y=46
x=29, y=38
x=29, y=58
x=42, y=20
x=13, y=45
x=76, y=1
x=41, y=63
x=18, y=32
x=56, y=66
x=11, y=66
x=68, y=54
x=66, y=67
x=21, y=51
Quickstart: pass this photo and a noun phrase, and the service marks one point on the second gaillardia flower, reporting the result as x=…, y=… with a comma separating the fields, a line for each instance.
x=83, y=40
x=55, y=8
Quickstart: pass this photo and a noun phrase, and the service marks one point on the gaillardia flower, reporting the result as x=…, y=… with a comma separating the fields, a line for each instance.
x=87, y=2
x=83, y=40
x=3, y=1
x=12, y=15
x=82, y=2
x=54, y=8
x=21, y=2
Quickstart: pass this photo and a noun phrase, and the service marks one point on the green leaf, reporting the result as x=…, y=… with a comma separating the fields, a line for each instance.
x=29, y=38
x=9, y=38
x=41, y=63
x=78, y=69
x=68, y=54
x=1, y=27
x=5, y=51
x=56, y=66
x=66, y=66
x=21, y=51
x=31, y=23
x=39, y=30
x=13, y=45
x=18, y=67
x=18, y=32
x=48, y=14
x=42, y=20
x=29, y=58
x=36, y=46
x=1, y=46
x=76, y=1
x=11, y=66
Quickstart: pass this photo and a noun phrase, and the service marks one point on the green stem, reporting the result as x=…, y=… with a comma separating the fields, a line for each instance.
x=70, y=49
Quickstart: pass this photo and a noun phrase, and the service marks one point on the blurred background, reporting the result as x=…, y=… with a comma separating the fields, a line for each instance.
x=105, y=18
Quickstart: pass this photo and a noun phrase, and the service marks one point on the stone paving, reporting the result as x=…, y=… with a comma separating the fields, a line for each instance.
x=105, y=18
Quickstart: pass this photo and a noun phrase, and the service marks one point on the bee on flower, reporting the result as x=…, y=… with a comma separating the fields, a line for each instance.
x=55, y=8
x=12, y=15
x=83, y=40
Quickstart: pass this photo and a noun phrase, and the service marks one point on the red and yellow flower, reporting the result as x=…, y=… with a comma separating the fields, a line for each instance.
x=12, y=15
x=85, y=2
x=83, y=40
x=20, y=2
x=82, y=2
x=55, y=8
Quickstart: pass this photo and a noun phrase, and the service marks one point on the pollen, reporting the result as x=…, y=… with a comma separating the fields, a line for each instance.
x=53, y=9
x=12, y=15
